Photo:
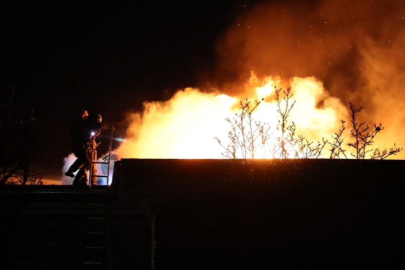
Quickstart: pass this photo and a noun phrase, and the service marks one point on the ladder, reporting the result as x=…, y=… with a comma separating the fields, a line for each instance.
x=96, y=250
x=97, y=253
x=93, y=174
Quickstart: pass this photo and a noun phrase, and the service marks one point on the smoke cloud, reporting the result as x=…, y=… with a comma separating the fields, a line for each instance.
x=331, y=52
x=67, y=162
x=354, y=47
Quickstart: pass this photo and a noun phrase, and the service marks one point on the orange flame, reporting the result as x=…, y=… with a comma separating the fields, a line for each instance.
x=336, y=41
x=185, y=125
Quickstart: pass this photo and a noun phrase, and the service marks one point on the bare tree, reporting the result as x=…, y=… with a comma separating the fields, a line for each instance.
x=383, y=154
x=364, y=137
x=301, y=146
x=264, y=135
x=245, y=132
x=336, y=150
x=362, y=134
x=284, y=107
x=247, y=135
x=309, y=149
x=232, y=147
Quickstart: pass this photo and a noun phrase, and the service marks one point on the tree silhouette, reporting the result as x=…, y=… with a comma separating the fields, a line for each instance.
x=247, y=135
x=336, y=150
x=364, y=137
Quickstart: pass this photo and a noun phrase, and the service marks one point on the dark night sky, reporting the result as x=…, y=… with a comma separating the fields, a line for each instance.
x=108, y=57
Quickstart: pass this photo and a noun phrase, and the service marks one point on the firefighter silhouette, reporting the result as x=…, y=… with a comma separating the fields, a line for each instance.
x=83, y=134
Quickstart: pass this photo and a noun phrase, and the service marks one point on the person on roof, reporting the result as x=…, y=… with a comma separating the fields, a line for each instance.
x=82, y=135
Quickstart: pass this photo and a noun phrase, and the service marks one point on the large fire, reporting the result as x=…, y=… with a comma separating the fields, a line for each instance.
x=185, y=125
x=329, y=52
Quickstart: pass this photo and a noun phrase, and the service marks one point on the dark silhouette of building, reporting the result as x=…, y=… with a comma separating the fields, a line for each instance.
x=213, y=214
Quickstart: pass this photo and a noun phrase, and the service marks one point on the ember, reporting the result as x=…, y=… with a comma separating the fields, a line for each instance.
x=331, y=53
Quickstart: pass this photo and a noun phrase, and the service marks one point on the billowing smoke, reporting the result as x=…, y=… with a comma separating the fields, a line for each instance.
x=354, y=47
x=67, y=162
x=352, y=51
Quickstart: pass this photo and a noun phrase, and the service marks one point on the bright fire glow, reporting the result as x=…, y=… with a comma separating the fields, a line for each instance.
x=185, y=125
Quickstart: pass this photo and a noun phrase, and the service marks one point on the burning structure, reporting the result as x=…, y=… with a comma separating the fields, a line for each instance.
x=209, y=213
x=331, y=53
